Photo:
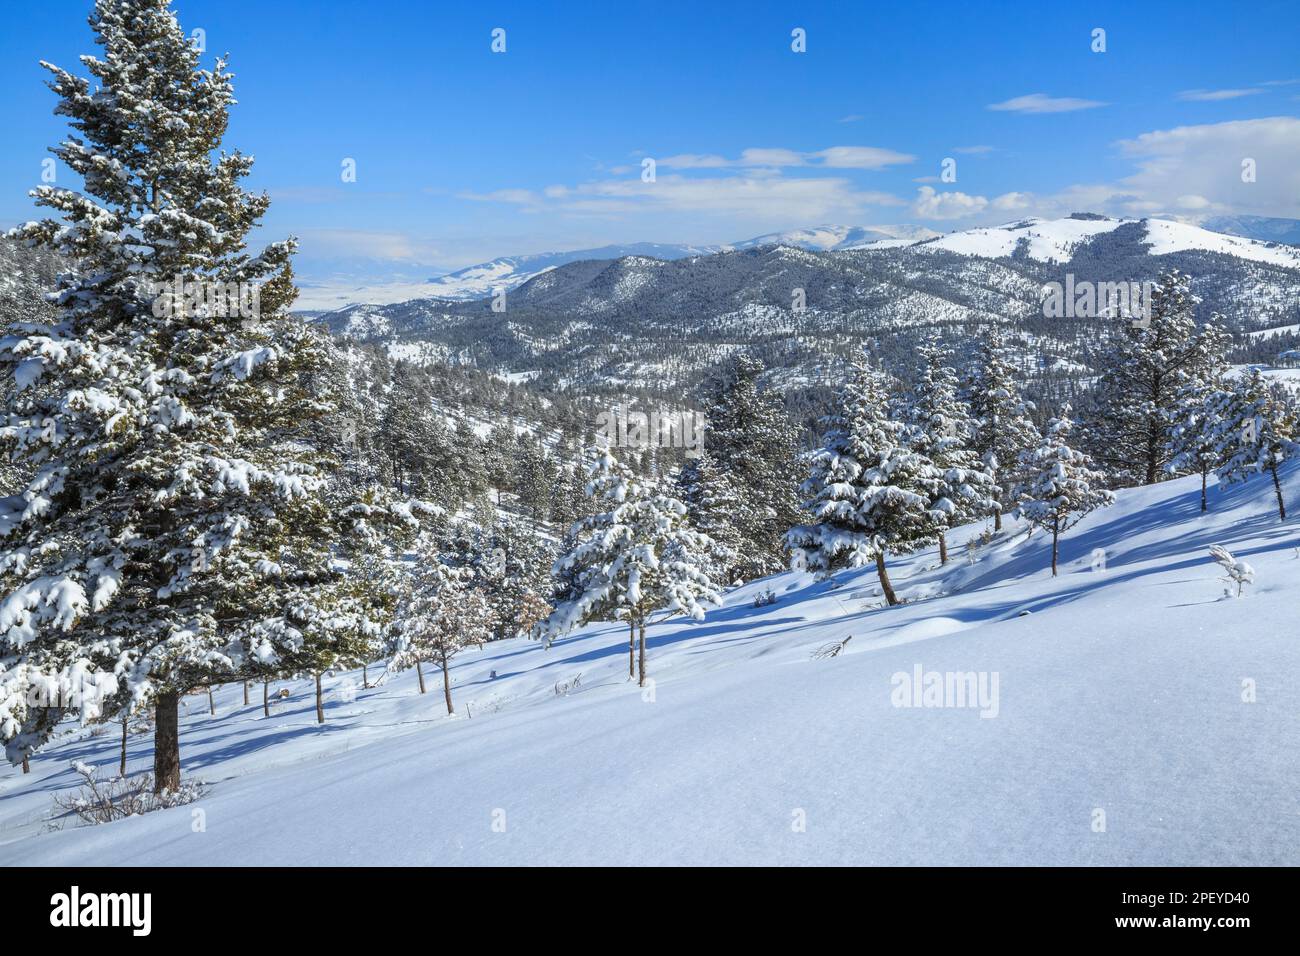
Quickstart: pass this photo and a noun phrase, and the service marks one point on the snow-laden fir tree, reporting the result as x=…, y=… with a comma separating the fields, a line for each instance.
x=636, y=560
x=441, y=614
x=1257, y=427
x=512, y=570
x=1003, y=428
x=750, y=437
x=1144, y=370
x=869, y=492
x=1061, y=485
x=712, y=503
x=175, y=530
x=941, y=427
x=1194, y=431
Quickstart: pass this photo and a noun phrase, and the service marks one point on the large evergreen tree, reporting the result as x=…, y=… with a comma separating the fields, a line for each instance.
x=749, y=437
x=1143, y=372
x=1003, y=428
x=175, y=531
x=869, y=492
x=633, y=560
x=941, y=428
x=1257, y=426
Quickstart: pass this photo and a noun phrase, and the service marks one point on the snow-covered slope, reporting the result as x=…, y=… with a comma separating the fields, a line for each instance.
x=1057, y=240
x=829, y=237
x=1121, y=690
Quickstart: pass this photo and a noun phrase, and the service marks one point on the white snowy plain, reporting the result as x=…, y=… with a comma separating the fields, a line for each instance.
x=1121, y=692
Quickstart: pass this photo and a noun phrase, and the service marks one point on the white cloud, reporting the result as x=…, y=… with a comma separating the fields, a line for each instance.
x=973, y=150
x=1206, y=162
x=1213, y=96
x=1042, y=103
x=946, y=205
x=833, y=157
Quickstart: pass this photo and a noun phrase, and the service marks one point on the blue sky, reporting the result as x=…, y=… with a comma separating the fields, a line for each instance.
x=463, y=154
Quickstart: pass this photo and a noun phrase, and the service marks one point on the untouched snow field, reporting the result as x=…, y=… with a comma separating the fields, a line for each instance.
x=1120, y=693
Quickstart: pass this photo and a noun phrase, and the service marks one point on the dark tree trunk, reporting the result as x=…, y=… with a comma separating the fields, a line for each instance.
x=266, y=698
x=1277, y=489
x=121, y=769
x=320, y=706
x=997, y=519
x=631, y=649
x=245, y=693
x=943, y=549
x=446, y=682
x=212, y=708
x=419, y=672
x=1056, y=537
x=27, y=767
x=641, y=679
x=1205, y=477
x=890, y=598
x=166, y=742
x=365, y=677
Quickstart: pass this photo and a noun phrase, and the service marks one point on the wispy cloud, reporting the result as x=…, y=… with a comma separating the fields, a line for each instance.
x=1042, y=103
x=973, y=150
x=1213, y=96
x=833, y=157
x=851, y=118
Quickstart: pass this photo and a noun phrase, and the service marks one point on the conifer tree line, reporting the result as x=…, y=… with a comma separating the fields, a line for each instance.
x=194, y=498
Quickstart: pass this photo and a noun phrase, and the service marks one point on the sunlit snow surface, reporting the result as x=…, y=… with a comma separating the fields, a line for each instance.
x=1119, y=693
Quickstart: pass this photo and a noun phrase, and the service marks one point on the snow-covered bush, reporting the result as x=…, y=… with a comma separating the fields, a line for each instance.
x=103, y=801
x=1236, y=574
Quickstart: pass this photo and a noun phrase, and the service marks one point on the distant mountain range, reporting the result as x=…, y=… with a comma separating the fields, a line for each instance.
x=510, y=272
x=658, y=323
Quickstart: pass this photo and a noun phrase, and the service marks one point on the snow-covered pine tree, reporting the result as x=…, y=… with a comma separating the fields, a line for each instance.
x=1061, y=485
x=1257, y=428
x=1143, y=371
x=513, y=572
x=751, y=439
x=941, y=427
x=1194, y=431
x=1003, y=428
x=868, y=492
x=636, y=559
x=712, y=503
x=176, y=510
x=441, y=615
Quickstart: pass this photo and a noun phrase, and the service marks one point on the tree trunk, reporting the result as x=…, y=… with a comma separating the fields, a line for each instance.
x=365, y=676
x=641, y=680
x=997, y=519
x=320, y=707
x=631, y=649
x=245, y=693
x=419, y=672
x=212, y=708
x=166, y=742
x=27, y=768
x=121, y=770
x=266, y=698
x=943, y=549
x=1277, y=489
x=446, y=682
x=890, y=598
x=1205, y=477
x=1056, y=536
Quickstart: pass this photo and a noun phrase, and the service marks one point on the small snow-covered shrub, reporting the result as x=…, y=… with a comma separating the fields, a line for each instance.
x=765, y=598
x=830, y=650
x=1236, y=574
x=103, y=801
